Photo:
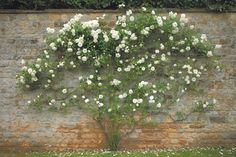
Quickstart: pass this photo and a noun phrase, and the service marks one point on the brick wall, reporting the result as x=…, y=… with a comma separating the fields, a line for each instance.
x=21, y=37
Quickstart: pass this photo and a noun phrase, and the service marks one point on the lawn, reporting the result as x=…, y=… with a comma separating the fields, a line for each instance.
x=200, y=152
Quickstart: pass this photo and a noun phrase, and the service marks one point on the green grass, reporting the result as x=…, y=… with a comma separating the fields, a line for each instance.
x=200, y=152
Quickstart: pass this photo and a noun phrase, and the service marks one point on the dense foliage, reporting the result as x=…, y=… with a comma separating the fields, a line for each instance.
x=146, y=63
x=216, y=5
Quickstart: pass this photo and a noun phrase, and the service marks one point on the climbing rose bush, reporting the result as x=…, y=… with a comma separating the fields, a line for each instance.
x=142, y=65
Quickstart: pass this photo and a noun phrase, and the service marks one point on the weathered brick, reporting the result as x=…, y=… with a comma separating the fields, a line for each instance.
x=218, y=119
x=21, y=37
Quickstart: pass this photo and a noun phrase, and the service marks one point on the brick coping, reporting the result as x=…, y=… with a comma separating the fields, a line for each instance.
x=18, y=11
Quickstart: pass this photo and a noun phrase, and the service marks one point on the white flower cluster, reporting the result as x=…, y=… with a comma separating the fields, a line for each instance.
x=115, y=82
x=115, y=34
x=80, y=41
x=87, y=43
x=68, y=26
x=137, y=101
x=99, y=101
x=142, y=84
x=94, y=24
x=31, y=72
x=121, y=5
x=183, y=20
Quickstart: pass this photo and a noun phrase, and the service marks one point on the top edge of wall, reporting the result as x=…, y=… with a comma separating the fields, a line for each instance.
x=17, y=11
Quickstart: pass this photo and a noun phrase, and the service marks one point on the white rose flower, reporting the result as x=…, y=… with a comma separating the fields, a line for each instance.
x=131, y=18
x=135, y=101
x=115, y=82
x=172, y=78
x=100, y=104
x=144, y=9
x=209, y=54
x=100, y=96
x=89, y=82
x=50, y=30
x=80, y=41
x=64, y=91
x=159, y=21
x=151, y=101
x=140, y=101
x=84, y=58
x=129, y=12
x=117, y=55
x=175, y=24
x=119, y=69
x=183, y=18
x=144, y=32
x=127, y=69
x=172, y=15
x=86, y=100
x=53, y=46
x=22, y=61
x=39, y=60
x=204, y=37
x=37, y=65
x=51, y=71
x=130, y=91
x=157, y=51
x=133, y=37
x=124, y=24
x=120, y=96
x=142, y=84
x=121, y=5
x=115, y=34
x=140, y=61
x=69, y=49
x=162, y=46
x=159, y=105
x=153, y=68
x=70, y=43
x=124, y=95
x=163, y=57
x=121, y=19
x=188, y=48
x=106, y=38
x=30, y=71
x=151, y=97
